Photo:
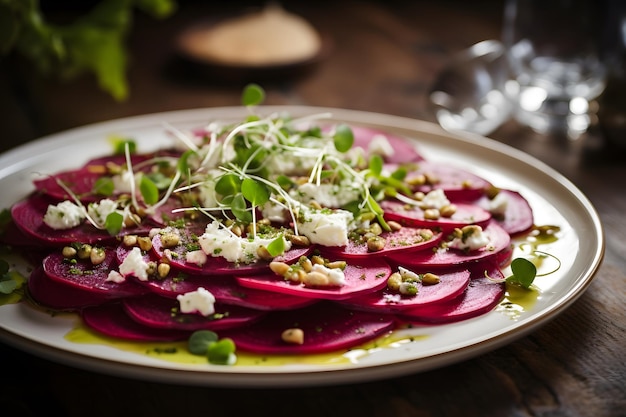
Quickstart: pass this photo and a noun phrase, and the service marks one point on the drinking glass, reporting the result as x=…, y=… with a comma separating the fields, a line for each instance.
x=556, y=54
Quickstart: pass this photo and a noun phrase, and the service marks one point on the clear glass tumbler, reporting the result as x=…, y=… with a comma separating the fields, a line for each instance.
x=556, y=54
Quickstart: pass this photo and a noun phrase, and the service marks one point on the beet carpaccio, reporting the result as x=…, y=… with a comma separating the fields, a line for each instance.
x=285, y=235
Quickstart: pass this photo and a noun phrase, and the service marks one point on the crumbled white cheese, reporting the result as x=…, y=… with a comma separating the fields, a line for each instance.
x=134, y=265
x=435, y=199
x=274, y=212
x=123, y=182
x=379, y=145
x=197, y=257
x=64, y=215
x=199, y=301
x=392, y=298
x=499, y=204
x=336, y=277
x=327, y=195
x=408, y=288
x=476, y=240
x=408, y=275
x=217, y=241
x=100, y=210
x=116, y=277
x=325, y=227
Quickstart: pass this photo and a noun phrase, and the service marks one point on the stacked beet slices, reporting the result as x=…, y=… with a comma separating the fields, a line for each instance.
x=254, y=305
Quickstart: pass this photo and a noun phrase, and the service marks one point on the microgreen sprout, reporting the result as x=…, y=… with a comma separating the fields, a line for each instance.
x=207, y=343
x=523, y=273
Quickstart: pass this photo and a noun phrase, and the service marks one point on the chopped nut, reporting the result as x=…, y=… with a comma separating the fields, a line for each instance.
x=394, y=226
x=447, y=210
x=96, y=256
x=163, y=269
x=145, y=244
x=129, y=240
x=376, y=244
x=84, y=251
x=431, y=214
x=263, y=253
x=315, y=279
x=279, y=268
x=430, y=279
x=337, y=264
x=295, y=336
x=299, y=240
x=169, y=240
x=68, y=252
x=394, y=281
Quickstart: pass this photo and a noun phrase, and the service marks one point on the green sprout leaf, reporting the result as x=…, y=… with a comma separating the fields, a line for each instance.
x=239, y=208
x=523, y=273
x=221, y=352
x=228, y=185
x=104, y=186
x=253, y=94
x=255, y=192
x=119, y=145
x=376, y=165
x=149, y=190
x=114, y=223
x=343, y=138
x=276, y=246
x=199, y=341
x=183, y=162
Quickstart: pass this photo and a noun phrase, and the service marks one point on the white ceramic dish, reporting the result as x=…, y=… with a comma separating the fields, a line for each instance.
x=555, y=200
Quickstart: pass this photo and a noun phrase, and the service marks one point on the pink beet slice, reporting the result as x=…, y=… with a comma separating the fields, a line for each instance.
x=404, y=150
x=111, y=320
x=452, y=258
x=518, y=216
x=451, y=285
x=58, y=296
x=91, y=279
x=219, y=265
x=407, y=239
x=482, y=295
x=162, y=313
x=28, y=217
x=326, y=326
x=364, y=277
x=414, y=216
x=458, y=184
x=80, y=181
x=226, y=291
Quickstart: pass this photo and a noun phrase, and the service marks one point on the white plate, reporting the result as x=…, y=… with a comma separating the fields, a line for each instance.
x=554, y=199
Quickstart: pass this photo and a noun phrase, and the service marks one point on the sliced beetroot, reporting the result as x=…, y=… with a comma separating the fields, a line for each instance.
x=326, y=327
x=407, y=239
x=414, y=216
x=58, y=296
x=28, y=216
x=360, y=278
x=92, y=279
x=458, y=184
x=218, y=265
x=80, y=181
x=482, y=295
x=451, y=285
x=403, y=150
x=518, y=216
x=111, y=320
x=451, y=258
x=162, y=313
x=226, y=291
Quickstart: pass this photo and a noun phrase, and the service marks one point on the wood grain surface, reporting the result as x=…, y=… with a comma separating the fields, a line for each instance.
x=382, y=58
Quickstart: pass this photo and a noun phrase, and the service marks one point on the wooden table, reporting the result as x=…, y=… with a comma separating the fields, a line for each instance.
x=384, y=56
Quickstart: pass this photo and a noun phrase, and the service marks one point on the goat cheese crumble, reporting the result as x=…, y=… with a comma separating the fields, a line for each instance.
x=199, y=301
x=64, y=215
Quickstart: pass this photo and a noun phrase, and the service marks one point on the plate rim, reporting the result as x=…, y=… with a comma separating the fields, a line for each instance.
x=24, y=154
